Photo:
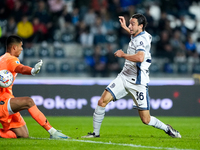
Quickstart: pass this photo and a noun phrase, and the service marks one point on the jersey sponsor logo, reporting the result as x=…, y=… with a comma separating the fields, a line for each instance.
x=17, y=62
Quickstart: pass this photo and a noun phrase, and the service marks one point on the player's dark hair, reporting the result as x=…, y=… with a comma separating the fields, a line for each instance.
x=12, y=39
x=141, y=20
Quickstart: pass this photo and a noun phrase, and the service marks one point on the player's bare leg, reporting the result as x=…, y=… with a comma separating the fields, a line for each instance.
x=144, y=116
x=21, y=103
x=152, y=121
x=99, y=114
x=21, y=132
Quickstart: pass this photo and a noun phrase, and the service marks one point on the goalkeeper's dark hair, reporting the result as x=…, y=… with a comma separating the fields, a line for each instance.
x=12, y=39
x=141, y=20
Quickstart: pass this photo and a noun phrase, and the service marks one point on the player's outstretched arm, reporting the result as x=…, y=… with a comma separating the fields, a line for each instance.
x=26, y=70
x=37, y=67
x=123, y=23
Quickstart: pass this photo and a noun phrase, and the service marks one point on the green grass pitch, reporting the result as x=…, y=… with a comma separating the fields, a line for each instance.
x=117, y=133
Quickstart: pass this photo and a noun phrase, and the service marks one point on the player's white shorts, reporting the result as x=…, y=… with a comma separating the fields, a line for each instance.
x=120, y=87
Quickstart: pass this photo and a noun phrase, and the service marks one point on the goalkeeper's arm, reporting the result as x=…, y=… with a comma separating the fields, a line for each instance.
x=22, y=69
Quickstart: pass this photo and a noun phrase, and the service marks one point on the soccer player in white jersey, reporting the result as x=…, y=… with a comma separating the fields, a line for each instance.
x=133, y=79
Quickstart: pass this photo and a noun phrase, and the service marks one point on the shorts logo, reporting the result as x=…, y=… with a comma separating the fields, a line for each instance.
x=2, y=102
x=141, y=43
x=113, y=85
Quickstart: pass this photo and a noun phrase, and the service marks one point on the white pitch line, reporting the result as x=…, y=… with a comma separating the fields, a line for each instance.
x=110, y=143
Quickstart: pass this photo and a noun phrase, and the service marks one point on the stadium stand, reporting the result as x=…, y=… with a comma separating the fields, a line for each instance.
x=51, y=67
x=65, y=67
x=29, y=52
x=76, y=36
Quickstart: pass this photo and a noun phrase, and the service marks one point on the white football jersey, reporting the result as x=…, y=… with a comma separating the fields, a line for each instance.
x=138, y=72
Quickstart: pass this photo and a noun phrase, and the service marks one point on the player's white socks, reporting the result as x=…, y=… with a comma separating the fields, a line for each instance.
x=98, y=118
x=52, y=131
x=157, y=124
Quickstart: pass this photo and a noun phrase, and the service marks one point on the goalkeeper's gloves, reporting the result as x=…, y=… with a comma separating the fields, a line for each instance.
x=37, y=67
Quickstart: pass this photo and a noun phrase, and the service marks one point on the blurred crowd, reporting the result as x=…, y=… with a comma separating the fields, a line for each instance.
x=95, y=26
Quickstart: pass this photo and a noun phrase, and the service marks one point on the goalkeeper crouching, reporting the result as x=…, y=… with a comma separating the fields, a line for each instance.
x=13, y=124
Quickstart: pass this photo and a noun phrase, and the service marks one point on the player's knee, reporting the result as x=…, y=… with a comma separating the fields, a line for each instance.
x=25, y=135
x=145, y=120
x=30, y=102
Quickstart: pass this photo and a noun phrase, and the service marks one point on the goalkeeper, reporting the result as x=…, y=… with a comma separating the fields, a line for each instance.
x=13, y=124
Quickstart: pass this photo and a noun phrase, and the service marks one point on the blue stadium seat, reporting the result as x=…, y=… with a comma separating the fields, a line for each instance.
x=154, y=68
x=182, y=68
x=88, y=52
x=44, y=52
x=168, y=68
x=67, y=37
x=196, y=68
x=65, y=67
x=50, y=67
x=80, y=67
x=59, y=53
x=29, y=52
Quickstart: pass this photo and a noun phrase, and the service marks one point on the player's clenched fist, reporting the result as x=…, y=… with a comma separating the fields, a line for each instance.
x=119, y=53
x=37, y=67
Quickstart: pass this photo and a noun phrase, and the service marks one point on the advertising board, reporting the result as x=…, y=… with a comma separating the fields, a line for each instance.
x=81, y=100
